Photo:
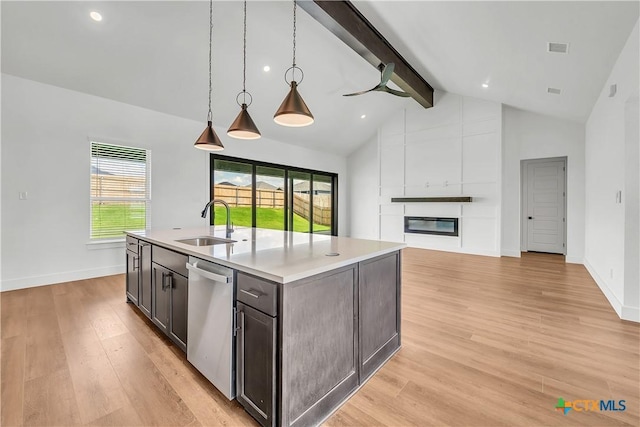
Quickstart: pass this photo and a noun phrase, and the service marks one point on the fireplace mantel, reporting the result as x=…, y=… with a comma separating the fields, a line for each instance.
x=458, y=199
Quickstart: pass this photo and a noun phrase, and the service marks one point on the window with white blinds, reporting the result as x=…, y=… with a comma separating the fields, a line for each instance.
x=120, y=189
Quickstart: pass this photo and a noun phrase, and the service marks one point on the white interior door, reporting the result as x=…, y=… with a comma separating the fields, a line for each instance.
x=545, y=206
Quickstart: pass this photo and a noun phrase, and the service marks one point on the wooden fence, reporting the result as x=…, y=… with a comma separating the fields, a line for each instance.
x=274, y=198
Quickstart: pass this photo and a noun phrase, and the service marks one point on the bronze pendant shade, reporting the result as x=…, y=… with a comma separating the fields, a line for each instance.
x=208, y=140
x=293, y=111
x=243, y=126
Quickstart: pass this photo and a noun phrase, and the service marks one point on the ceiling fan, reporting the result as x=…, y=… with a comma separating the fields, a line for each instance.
x=385, y=74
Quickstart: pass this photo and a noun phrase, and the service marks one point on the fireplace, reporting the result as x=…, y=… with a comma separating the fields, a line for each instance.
x=430, y=225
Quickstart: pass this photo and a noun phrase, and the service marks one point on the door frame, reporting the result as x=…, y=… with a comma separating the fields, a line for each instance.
x=524, y=200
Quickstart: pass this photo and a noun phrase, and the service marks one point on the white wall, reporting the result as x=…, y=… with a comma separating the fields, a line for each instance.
x=46, y=153
x=605, y=175
x=452, y=149
x=533, y=136
x=364, y=175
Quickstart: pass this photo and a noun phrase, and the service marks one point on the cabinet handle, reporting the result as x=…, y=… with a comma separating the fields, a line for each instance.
x=135, y=263
x=236, y=328
x=166, y=285
x=251, y=294
x=131, y=243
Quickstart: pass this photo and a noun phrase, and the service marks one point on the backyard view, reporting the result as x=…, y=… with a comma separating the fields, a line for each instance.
x=110, y=219
x=120, y=194
x=270, y=218
x=270, y=207
x=308, y=205
x=119, y=190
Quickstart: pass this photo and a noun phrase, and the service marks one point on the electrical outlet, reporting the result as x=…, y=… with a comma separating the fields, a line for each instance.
x=22, y=195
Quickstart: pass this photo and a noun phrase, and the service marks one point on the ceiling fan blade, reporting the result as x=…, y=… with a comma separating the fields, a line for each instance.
x=395, y=92
x=361, y=92
x=387, y=71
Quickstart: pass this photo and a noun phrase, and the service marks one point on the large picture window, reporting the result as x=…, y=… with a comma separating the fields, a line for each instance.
x=120, y=189
x=279, y=197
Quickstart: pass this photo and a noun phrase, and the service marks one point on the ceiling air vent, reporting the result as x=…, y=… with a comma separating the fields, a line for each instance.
x=558, y=47
x=553, y=90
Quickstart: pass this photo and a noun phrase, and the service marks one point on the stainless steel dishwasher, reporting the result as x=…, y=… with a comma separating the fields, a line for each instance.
x=211, y=323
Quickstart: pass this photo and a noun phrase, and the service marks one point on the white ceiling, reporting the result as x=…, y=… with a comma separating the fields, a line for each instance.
x=154, y=55
x=457, y=46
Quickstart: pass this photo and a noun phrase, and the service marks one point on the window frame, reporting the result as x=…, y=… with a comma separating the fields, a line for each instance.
x=288, y=213
x=92, y=199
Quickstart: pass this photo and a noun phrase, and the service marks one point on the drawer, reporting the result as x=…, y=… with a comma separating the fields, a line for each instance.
x=257, y=293
x=132, y=244
x=171, y=260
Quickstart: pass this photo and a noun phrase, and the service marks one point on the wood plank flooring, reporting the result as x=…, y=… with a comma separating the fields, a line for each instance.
x=485, y=342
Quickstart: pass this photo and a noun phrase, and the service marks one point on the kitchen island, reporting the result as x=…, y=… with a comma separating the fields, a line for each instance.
x=317, y=315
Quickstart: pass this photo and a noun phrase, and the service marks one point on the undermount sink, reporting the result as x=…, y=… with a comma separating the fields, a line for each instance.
x=205, y=241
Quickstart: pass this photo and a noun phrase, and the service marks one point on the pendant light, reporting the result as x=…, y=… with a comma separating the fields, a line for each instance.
x=243, y=126
x=293, y=111
x=208, y=140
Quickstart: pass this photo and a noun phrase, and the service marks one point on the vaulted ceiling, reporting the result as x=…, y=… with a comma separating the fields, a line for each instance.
x=154, y=55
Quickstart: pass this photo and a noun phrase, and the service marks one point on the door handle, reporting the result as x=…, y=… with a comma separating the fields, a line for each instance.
x=530, y=217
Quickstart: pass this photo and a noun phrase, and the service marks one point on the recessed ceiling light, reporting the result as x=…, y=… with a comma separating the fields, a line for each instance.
x=95, y=16
x=363, y=116
x=485, y=85
x=266, y=68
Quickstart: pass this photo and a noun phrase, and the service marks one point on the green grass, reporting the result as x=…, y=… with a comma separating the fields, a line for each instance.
x=272, y=218
x=110, y=219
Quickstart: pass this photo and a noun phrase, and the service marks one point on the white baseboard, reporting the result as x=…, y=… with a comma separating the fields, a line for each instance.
x=573, y=260
x=631, y=313
x=608, y=293
x=511, y=253
x=67, y=276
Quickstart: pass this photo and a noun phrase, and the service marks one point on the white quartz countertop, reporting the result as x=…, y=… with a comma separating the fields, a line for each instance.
x=280, y=256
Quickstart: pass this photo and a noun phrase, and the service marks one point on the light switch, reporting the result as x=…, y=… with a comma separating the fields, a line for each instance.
x=22, y=195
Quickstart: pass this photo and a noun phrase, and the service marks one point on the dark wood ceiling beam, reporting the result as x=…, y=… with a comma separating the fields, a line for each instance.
x=349, y=25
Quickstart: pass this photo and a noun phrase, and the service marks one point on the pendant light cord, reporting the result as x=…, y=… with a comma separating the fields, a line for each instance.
x=210, y=115
x=244, y=59
x=294, y=40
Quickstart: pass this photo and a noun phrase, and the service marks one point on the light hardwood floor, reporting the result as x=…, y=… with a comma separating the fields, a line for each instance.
x=485, y=342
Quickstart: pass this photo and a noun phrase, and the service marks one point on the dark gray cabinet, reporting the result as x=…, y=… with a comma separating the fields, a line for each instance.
x=256, y=363
x=145, y=277
x=169, y=294
x=379, y=293
x=319, y=345
x=133, y=278
x=178, y=300
x=161, y=288
x=304, y=347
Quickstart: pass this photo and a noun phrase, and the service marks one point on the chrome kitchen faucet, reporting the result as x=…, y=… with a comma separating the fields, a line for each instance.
x=213, y=214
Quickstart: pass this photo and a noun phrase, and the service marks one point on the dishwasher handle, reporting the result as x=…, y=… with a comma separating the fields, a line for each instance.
x=209, y=275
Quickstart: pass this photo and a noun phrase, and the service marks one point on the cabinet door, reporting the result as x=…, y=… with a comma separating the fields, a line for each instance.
x=179, y=299
x=160, y=291
x=132, y=277
x=256, y=364
x=145, y=278
x=379, y=311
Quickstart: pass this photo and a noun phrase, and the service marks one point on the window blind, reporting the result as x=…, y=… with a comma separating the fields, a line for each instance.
x=120, y=190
